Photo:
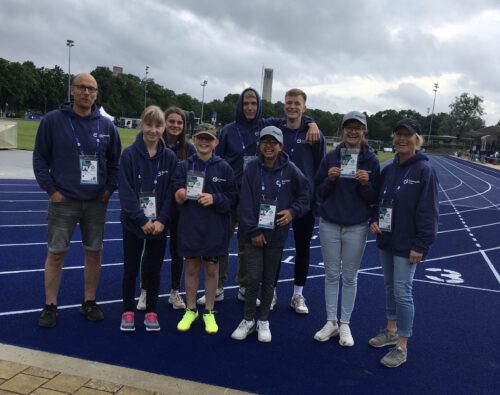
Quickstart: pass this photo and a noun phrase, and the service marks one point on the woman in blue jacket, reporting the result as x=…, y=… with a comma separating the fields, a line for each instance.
x=346, y=188
x=273, y=193
x=146, y=171
x=406, y=226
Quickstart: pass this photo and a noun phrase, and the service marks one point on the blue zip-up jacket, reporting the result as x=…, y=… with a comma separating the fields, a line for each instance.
x=240, y=138
x=293, y=195
x=306, y=156
x=56, y=158
x=137, y=173
x=345, y=201
x=204, y=231
x=415, y=205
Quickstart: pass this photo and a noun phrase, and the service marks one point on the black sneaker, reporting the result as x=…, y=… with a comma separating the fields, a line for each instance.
x=48, y=318
x=91, y=311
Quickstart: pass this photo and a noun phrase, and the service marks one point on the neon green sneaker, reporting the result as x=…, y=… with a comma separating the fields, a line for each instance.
x=187, y=319
x=211, y=326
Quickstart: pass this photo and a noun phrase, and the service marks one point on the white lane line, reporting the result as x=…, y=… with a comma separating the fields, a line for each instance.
x=38, y=225
x=490, y=264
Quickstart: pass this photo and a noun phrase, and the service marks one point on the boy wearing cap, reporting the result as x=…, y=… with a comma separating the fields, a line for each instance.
x=273, y=192
x=346, y=188
x=206, y=193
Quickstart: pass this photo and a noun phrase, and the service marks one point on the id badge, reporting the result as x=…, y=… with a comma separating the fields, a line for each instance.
x=349, y=163
x=267, y=213
x=385, y=218
x=148, y=204
x=247, y=159
x=194, y=184
x=88, y=169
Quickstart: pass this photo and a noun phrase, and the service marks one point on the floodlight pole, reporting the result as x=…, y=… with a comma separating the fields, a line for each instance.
x=69, y=43
x=146, y=86
x=203, y=84
x=436, y=86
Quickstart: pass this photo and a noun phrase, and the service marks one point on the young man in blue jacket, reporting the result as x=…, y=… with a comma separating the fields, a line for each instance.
x=75, y=161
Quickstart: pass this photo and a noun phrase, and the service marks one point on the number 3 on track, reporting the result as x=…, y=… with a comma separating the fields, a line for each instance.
x=444, y=275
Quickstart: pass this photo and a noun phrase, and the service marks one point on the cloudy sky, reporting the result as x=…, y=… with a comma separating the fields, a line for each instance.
x=367, y=55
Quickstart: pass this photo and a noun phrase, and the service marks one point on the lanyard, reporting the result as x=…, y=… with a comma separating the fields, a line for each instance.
x=396, y=186
x=206, y=165
x=294, y=143
x=155, y=180
x=243, y=141
x=176, y=147
x=262, y=183
x=78, y=144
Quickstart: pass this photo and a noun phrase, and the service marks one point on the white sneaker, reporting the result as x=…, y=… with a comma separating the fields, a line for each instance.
x=141, y=303
x=328, y=331
x=274, y=301
x=241, y=296
x=298, y=303
x=219, y=296
x=264, y=334
x=244, y=329
x=175, y=299
x=346, y=339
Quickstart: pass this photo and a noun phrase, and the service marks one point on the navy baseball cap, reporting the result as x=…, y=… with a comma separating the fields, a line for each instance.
x=410, y=124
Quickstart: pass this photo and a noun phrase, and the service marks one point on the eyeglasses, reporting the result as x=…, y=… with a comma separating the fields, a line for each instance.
x=358, y=129
x=83, y=88
x=272, y=143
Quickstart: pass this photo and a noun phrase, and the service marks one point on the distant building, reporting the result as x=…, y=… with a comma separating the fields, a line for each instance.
x=267, y=85
x=117, y=70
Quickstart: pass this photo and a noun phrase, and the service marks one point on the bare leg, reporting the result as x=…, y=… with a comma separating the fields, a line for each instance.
x=191, y=281
x=52, y=276
x=211, y=281
x=92, y=273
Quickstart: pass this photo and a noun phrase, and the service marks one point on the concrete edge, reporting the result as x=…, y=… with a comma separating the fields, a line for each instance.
x=110, y=373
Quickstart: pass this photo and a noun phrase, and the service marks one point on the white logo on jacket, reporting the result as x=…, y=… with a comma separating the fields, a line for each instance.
x=411, y=182
x=217, y=179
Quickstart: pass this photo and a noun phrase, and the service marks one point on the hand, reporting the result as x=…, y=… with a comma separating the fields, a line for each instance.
x=56, y=197
x=259, y=241
x=148, y=227
x=105, y=196
x=374, y=228
x=333, y=173
x=312, y=133
x=362, y=176
x=181, y=195
x=205, y=199
x=415, y=257
x=284, y=218
x=158, y=227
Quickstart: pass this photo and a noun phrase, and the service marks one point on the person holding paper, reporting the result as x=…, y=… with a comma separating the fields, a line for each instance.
x=346, y=186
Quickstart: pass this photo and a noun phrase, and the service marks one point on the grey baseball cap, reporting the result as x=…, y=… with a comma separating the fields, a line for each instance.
x=356, y=115
x=272, y=131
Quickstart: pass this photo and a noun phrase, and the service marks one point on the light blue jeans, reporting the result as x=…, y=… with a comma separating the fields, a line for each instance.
x=342, y=248
x=398, y=282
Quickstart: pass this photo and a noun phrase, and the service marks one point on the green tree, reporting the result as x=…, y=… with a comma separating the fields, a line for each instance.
x=465, y=115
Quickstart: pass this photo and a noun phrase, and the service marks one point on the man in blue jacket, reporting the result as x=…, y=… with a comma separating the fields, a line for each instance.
x=75, y=161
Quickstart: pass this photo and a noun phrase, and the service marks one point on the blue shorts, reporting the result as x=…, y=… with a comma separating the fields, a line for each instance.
x=62, y=219
x=209, y=259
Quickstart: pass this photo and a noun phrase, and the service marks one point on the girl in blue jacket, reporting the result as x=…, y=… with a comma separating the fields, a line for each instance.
x=206, y=194
x=406, y=226
x=146, y=172
x=346, y=183
x=273, y=193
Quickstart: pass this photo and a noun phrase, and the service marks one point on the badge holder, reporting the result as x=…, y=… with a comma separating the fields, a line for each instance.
x=194, y=184
x=247, y=159
x=267, y=213
x=89, y=166
x=348, y=162
x=385, y=217
x=147, y=201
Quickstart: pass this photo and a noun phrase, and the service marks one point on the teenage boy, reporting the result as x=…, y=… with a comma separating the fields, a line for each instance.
x=206, y=194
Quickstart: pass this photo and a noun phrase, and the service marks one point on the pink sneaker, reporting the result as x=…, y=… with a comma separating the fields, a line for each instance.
x=151, y=322
x=127, y=324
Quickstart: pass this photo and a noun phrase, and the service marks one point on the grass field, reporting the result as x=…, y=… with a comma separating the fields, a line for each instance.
x=26, y=132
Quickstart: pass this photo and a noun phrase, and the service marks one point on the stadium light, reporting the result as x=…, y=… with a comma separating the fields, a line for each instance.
x=436, y=86
x=146, y=86
x=69, y=43
x=203, y=84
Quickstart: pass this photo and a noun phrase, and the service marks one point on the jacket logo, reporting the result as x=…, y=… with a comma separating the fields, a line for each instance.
x=217, y=179
x=411, y=182
x=101, y=136
x=162, y=172
x=282, y=182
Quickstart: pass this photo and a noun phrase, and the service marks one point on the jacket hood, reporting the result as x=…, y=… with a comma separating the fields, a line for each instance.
x=419, y=155
x=240, y=116
x=67, y=108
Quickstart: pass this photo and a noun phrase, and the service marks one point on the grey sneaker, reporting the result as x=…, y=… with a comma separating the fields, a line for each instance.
x=263, y=332
x=244, y=329
x=395, y=357
x=127, y=324
x=141, y=303
x=151, y=322
x=298, y=303
x=219, y=296
x=175, y=299
x=241, y=296
x=384, y=338
x=329, y=330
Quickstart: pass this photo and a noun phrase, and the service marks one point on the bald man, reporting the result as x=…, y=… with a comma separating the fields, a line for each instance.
x=75, y=161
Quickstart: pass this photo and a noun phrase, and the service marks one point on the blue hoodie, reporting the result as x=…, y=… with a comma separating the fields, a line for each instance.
x=204, y=231
x=306, y=156
x=240, y=137
x=345, y=201
x=415, y=205
x=293, y=195
x=137, y=174
x=56, y=162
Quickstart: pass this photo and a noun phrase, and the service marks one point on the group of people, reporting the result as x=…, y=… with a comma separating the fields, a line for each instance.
x=264, y=175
